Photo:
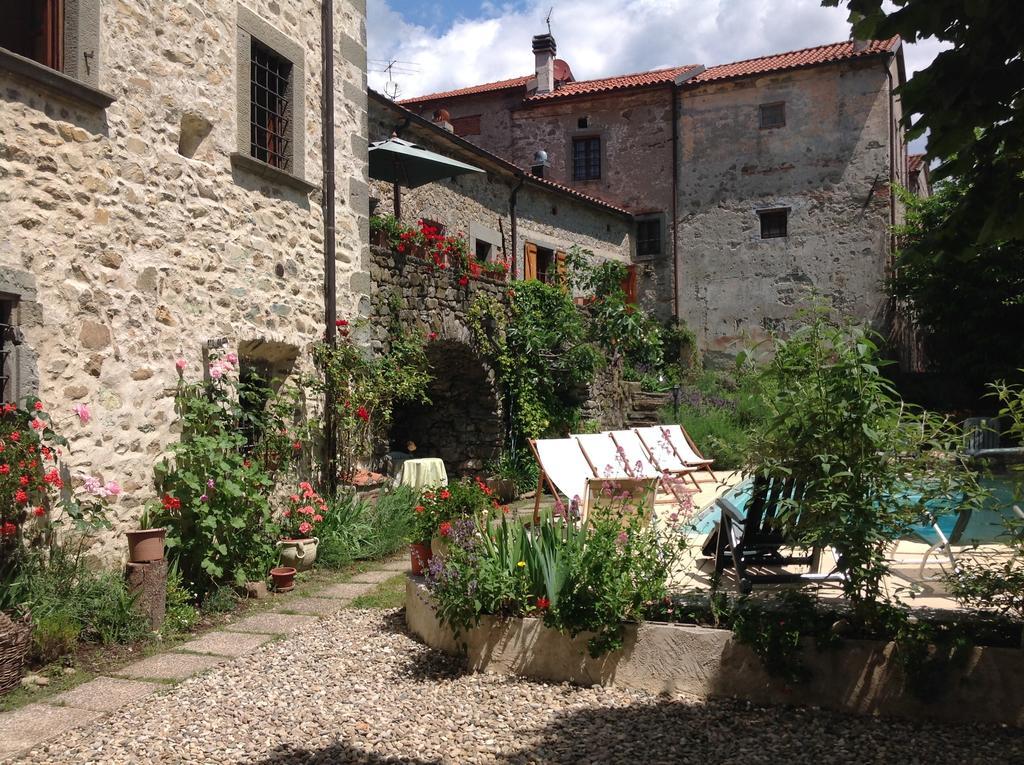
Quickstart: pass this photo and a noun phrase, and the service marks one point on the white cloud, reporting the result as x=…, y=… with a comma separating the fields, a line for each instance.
x=599, y=38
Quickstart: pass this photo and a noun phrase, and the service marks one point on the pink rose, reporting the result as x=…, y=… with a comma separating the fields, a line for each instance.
x=113, y=488
x=82, y=410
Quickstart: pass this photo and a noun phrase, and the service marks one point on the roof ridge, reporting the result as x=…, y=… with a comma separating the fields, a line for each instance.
x=800, y=50
x=633, y=74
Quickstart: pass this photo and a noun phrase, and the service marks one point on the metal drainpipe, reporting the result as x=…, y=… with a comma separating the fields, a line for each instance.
x=675, y=202
x=892, y=159
x=330, y=285
x=513, y=227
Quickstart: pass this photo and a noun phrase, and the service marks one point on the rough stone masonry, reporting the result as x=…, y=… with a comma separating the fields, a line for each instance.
x=130, y=237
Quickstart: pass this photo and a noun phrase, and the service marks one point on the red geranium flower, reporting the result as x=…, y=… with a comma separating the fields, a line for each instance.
x=363, y=414
x=38, y=406
x=420, y=509
x=445, y=494
x=8, y=529
x=543, y=604
x=463, y=281
x=20, y=496
x=171, y=503
x=39, y=512
x=340, y=323
x=445, y=529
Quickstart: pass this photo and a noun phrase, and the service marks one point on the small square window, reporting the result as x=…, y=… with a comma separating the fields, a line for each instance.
x=774, y=223
x=772, y=115
x=35, y=29
x=582, y=123
x=586, y=159
x=483, y=250
x=270, y=107
x=648, y=238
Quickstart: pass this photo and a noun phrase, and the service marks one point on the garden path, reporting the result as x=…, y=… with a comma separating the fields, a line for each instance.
x=355, y=687
x=34, y=727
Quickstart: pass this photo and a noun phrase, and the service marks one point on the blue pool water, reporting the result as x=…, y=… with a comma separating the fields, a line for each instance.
x=985, y=526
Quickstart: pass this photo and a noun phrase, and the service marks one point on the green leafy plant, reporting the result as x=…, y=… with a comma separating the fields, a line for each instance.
x=365, y=387
x=867, y=463
x=180, y=613
x=216, y=498
x=360, y=529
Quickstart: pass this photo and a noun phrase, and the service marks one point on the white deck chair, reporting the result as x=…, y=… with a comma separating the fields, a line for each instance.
x=642, y=464
x=604, y=456
x=672, y=449
x=564, y=465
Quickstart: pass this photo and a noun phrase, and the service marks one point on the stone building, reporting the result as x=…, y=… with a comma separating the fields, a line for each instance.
x=160, y=172
x=493, y=209
x=751, y=184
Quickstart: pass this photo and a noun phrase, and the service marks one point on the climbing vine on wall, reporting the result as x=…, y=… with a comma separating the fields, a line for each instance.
x=541, y=356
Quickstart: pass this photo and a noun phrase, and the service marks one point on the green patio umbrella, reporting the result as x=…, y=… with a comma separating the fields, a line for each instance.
x=406, y=164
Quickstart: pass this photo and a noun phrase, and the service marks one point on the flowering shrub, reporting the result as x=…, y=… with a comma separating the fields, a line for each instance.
x=215, y=491
x=578, y=577
x=28, y=469
x=441, y=251
x=438, y=508
x=305, y=511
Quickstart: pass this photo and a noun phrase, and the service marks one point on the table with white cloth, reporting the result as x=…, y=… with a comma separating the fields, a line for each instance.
x=419, y=474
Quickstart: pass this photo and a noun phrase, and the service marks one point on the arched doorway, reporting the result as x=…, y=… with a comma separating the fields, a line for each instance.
x=462, y=424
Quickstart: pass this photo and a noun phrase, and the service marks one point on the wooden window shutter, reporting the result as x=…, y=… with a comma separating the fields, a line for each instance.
x=53, y=34
x=561, y=270
x=530, y=261
x=629, y=284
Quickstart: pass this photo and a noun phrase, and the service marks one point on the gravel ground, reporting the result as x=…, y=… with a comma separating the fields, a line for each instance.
x=357, y=688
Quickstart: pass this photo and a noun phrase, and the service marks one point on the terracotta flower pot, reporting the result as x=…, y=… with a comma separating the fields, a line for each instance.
x=420, y=555
x=145, y=545
x=298, y=553
x=284, y=578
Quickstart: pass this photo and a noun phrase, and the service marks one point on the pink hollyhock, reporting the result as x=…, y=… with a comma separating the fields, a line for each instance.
x=113, y=488
x=82, y=410
x=181, y=364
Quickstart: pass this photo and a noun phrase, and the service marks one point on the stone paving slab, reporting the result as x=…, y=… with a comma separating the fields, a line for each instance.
x=397, y=564
x=225, y=643
x=32, y=724
x=271, y=623
x=346, y=590
x=301, y=605
x=374, y=577
x=104, y=694
x=170, y=666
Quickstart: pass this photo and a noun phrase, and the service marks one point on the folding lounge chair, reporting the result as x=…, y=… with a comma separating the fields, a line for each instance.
x=672, y=449
x=755, y=540
x=564, y=467
x=642, y=463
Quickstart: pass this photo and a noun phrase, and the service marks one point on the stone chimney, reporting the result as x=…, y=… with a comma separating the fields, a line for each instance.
x=443, y=119
x=540, y=164
x=859, y=45
x=544, y=56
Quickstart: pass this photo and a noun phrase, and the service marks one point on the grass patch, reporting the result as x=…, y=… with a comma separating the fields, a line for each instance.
x=388, y=594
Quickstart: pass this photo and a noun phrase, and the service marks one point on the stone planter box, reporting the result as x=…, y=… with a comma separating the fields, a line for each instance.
x=859, y=677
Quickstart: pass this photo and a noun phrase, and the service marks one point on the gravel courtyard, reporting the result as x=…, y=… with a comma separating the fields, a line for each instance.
x=356, y=688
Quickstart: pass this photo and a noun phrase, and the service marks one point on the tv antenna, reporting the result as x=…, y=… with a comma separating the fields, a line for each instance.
x=547, y=19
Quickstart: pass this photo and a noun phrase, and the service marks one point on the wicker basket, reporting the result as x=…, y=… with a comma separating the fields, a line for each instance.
x=15, y=637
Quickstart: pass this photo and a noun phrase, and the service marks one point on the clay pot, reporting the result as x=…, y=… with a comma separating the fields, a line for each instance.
x=298, y=553
x=420, y=555
x=145, y=545
x=284, y=578
x=504, y=489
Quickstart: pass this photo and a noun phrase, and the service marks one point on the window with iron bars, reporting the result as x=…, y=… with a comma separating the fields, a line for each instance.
x=270, y=110
x=7, y=393
x=586, y=159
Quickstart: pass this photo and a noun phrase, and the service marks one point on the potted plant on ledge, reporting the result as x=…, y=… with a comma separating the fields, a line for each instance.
x=305, y=512
x=146, y=543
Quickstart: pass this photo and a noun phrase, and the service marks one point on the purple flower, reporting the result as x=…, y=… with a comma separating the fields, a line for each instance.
x=203, y=498
x=209, y=483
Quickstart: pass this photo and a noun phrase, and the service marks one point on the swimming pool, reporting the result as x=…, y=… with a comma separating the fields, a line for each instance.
x=984, y=527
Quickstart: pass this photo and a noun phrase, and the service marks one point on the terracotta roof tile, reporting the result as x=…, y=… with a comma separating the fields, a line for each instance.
x=620, y=82
x=515, y=82
x=796, y=59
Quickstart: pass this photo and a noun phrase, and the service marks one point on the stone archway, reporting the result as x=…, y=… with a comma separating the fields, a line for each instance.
x=462, y=424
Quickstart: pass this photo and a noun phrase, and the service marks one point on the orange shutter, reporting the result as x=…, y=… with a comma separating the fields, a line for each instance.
x=530, y=261
x=561, y=270
x=629, y=284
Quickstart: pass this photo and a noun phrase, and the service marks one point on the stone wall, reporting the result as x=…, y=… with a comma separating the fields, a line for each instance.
x=463, y=424
x=829, y=165
x=145, y=241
